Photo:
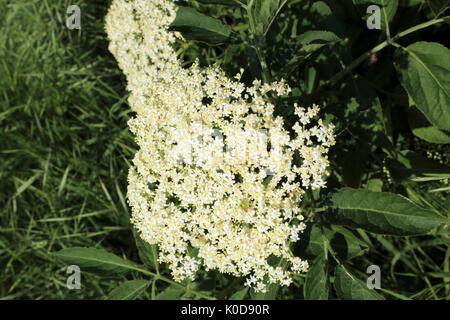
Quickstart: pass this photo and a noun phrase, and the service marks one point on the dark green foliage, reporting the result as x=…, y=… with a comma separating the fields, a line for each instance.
x=65, y=146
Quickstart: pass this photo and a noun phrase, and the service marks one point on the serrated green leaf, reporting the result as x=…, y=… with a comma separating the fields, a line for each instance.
x=422, y=128
x=147, y=252
x=240, y=294
x=129, y=290
x=321, y=17
x=438, y=6
x=381, y=212
x=170, y=293
x=194, y=25
x=98, y=261
x=423, y=68
x=348, y=287
x=312, y=42
x=300, y=57
x=431, y=134
x=388, y=9
x=270, y=294
x=317, y=36
x=343, y=242
x=316, y=283
x=374, y=185
x=263, y=12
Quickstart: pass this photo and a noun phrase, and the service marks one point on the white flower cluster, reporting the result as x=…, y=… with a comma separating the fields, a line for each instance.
x=214, y=182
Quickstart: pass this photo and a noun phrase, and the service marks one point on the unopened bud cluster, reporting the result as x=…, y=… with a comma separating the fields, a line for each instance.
x=214, y=182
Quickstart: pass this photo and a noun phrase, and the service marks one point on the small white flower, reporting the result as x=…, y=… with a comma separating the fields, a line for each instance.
x=198, y=179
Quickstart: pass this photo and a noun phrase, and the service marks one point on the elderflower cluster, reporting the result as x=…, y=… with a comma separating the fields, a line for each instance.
x=214, y=182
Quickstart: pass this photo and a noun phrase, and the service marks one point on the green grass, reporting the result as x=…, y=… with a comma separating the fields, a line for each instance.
x=64, y=155
x=64, y=146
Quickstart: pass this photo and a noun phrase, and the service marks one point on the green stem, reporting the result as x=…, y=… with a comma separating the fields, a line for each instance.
x=386, y=21
x=256, y=41
x=274, y=16
x=336, y=78
x=327, y=245
x=419, y=27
